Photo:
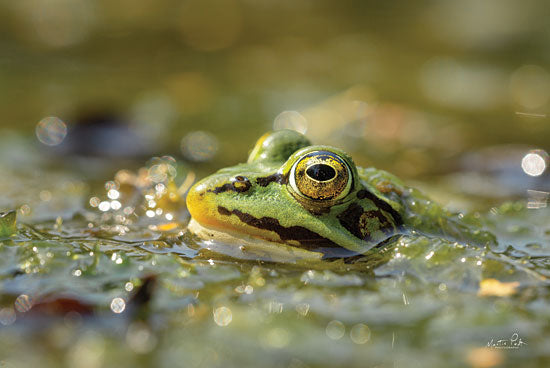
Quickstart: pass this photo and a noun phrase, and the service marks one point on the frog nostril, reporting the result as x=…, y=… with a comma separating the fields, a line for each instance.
x=241, y=184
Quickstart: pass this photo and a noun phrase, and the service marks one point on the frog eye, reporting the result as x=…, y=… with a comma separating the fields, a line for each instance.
x=321, y=175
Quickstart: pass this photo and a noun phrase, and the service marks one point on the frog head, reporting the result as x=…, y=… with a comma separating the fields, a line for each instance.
x=292, y=192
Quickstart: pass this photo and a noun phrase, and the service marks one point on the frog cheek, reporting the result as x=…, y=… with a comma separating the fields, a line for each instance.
x=201, y=204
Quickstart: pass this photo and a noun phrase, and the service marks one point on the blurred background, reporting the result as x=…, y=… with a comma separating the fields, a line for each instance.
x=424, y=90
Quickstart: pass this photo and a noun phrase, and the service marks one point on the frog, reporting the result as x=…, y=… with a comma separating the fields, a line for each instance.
x=293, y=195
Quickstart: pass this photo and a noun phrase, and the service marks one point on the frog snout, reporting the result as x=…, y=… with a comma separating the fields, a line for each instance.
x=203, y=197
x=197, y=201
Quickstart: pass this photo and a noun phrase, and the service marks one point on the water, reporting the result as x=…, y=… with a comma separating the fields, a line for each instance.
x=113, y=286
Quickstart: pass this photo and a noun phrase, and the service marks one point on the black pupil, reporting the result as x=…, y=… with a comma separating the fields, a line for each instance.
x=321, y=172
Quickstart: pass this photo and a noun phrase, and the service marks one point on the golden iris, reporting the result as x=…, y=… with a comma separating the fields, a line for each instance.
x=321, y=175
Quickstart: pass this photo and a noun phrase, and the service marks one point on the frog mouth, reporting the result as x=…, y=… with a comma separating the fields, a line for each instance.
x=244, y=246
x=211, y=218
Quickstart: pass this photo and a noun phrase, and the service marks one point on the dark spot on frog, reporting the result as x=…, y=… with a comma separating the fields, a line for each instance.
x=307, y=238
x=354, y=219
x=350, y=220
x=224, y=211
x=241, y=184
x=238, y=184
x=277, y=178
x=363, y=193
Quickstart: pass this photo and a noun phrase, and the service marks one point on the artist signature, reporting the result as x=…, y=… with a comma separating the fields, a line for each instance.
x=514, y=342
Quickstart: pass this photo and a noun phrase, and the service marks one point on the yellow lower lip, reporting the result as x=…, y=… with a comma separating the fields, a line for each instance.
x=249, y=247
x=201, y=206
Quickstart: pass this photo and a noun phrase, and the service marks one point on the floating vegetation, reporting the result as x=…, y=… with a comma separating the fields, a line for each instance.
x=7, y=223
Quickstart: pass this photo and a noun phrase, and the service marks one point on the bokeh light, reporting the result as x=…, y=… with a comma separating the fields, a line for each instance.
x=140, y=338
x=113, y=194
x=199, y=146
x=118, y=305
x=290, y=120
x=51, y=131
x=534, y=163
x=335, y=330
x=23, y=303
x=360, y=333
x=104, y=206
x=7, y=316
x=223, y=316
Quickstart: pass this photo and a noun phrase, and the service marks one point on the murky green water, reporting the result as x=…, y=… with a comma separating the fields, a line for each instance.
x=103, y=104
x=112, y=286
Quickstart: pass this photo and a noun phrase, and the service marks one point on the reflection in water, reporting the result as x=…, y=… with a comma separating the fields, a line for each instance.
x=537, y=199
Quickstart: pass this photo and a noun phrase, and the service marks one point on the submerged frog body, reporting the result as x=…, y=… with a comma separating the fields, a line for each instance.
x=310, y=197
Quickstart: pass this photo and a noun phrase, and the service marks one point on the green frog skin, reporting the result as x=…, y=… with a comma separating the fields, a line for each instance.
x=311, y=197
